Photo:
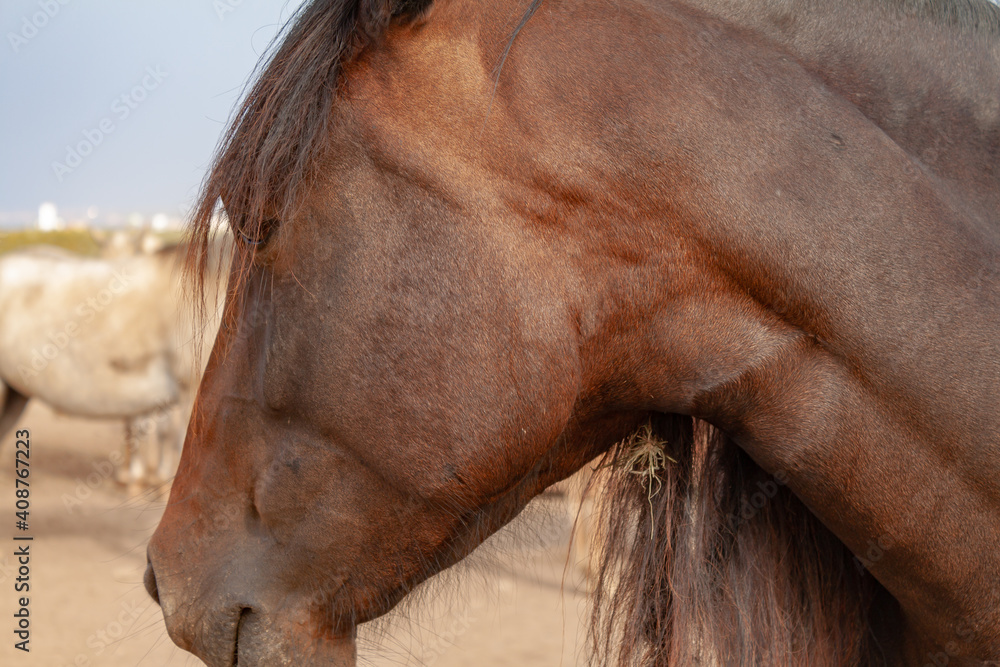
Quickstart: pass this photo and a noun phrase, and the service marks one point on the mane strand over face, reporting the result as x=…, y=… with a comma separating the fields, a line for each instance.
x=273, y=140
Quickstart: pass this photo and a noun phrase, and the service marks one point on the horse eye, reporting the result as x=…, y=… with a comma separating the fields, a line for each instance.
x=259, y=236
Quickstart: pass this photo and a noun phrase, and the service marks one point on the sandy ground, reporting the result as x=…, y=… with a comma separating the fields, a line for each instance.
x=510, y=604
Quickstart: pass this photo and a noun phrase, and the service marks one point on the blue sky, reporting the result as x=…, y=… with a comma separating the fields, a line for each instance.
x=161, y=75
x=139, y=91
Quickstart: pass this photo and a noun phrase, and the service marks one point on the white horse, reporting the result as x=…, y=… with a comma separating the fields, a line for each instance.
x=103, y=338
x=119, y=243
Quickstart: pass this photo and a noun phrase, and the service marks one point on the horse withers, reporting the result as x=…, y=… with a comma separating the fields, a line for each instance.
x=479, y=244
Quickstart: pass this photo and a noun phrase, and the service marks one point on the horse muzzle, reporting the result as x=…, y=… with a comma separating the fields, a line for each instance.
x=238, y=634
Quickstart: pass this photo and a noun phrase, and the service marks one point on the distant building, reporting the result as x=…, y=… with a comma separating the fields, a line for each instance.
x=161, y=222
x=48, y=218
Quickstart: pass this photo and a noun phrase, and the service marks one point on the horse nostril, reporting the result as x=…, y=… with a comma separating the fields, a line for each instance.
x=149, y=579
x=244, y=616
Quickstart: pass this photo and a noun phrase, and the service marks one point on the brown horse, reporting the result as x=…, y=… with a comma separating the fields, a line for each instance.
x=484, y=242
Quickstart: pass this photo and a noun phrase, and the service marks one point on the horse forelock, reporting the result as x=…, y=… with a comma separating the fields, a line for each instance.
x=276, y=133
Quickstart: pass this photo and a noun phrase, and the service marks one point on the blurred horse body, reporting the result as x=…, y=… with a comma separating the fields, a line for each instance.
x=121, y=243
x=102, y=338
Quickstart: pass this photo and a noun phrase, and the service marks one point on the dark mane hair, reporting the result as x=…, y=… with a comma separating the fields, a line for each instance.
x=268, y=151
x=709, y=560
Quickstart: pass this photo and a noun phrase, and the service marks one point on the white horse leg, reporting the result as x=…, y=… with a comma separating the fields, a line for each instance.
x=173, y=443
x=132, y=473
x=123, y=474
x=166, y=436
x=12, y=404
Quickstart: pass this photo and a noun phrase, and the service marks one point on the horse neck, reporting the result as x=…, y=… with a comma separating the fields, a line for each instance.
x=845, y=238
x=932, y=87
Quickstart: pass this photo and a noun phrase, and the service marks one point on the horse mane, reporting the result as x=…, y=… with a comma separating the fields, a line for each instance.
x=709, y=560
x=270, y=147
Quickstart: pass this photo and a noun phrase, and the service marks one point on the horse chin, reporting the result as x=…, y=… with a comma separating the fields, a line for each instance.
x=264, y=642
